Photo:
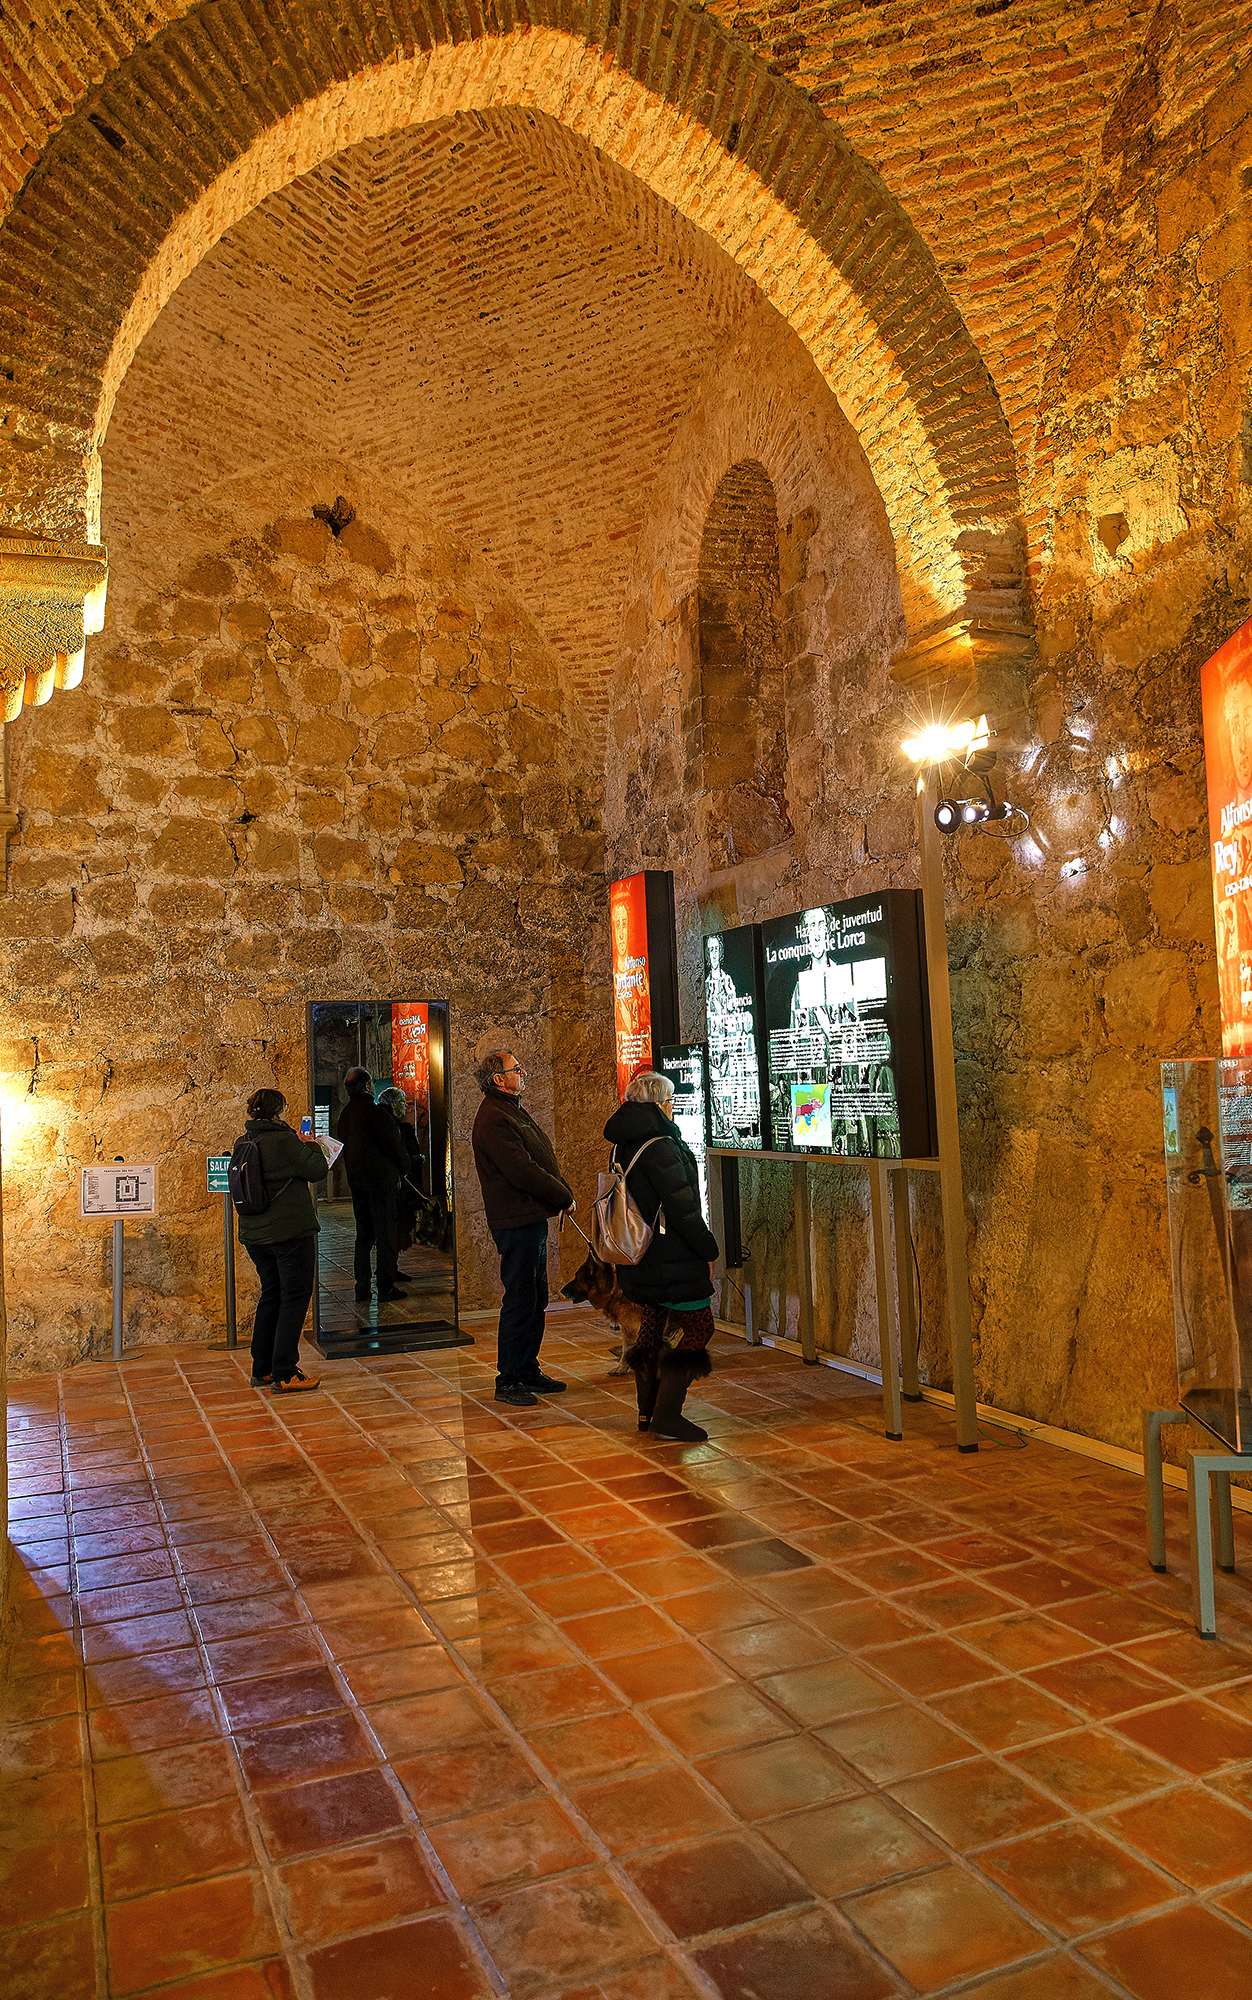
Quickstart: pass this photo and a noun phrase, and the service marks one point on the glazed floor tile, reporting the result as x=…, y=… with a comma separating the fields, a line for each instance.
x=302, y=1698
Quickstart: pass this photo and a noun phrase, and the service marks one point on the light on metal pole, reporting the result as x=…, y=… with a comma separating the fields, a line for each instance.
x=930, y=749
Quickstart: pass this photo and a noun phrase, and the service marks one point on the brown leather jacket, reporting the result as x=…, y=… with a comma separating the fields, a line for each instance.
x=521, y=1181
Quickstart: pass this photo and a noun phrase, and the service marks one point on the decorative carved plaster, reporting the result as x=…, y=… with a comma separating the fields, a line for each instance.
x=51, y=602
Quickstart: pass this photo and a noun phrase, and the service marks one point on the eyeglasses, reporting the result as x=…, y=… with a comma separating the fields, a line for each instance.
x=514, y=1069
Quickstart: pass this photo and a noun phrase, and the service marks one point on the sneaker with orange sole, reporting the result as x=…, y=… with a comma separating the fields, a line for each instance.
x=295, y=1384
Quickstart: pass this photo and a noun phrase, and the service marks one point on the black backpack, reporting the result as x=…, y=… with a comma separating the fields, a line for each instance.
x=245, y=1177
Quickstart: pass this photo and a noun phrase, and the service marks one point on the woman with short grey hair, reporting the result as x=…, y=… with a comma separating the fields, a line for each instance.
x=673, y=1280
x=650, y=1087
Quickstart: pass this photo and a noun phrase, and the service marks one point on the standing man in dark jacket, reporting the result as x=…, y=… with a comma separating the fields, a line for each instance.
x=374, y=1160
x=522, y=1187
x=673, y=1280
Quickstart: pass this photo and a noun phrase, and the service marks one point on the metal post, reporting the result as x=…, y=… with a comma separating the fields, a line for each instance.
x=1202, y=1468
x=950, y=1184
x=1203, y=1594
x=906, y=1310
x=749, y=1323
x=1225, y=1523
x=1154, y=1480
x=888, y=1337
x=804, y=1239
x=117, y=1290
x=228, y=1227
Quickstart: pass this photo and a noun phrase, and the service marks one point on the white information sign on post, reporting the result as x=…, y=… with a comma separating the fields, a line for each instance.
x=117, y=1191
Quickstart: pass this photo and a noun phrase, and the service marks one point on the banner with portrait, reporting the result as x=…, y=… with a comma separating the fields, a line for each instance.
x=1226, y=700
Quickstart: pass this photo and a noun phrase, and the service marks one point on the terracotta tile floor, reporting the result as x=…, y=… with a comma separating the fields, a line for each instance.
x=385, y=1693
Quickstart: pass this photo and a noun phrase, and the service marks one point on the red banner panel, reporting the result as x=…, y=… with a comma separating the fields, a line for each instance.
x=410, y=1054
x=1226, y=695
x=632, y=991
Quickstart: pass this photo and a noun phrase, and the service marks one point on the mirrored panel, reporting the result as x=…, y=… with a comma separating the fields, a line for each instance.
x=1207, y=1107
x=387, y=1233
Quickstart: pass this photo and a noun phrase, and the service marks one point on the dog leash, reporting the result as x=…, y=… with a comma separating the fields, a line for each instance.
x=566, y=1216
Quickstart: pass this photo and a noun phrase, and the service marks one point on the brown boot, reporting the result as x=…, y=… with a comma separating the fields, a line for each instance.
x=295, y=1384
x=677, y=1373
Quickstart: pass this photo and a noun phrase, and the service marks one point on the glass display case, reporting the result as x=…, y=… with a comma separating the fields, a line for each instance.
x=1207, y=1108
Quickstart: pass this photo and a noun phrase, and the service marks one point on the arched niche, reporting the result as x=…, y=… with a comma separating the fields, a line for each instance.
x=742, y=677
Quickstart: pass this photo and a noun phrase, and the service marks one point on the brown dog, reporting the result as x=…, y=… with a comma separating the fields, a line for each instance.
x=595, y=1284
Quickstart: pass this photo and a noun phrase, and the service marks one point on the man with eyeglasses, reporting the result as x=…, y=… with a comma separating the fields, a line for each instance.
x=522, y=1187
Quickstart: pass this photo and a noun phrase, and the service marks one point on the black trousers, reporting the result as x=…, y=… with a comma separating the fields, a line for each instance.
x=524, y=1275
x=375, y=1210
x=288, y=1273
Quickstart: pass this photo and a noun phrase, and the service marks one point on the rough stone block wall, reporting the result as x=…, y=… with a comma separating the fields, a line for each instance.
x=306, y=767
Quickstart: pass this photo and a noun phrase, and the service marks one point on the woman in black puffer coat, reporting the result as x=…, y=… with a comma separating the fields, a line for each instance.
x=673, y=1280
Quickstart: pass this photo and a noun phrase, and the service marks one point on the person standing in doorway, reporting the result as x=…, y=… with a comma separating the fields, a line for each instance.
x=282, y=1243
x=374, y=1160
x=522, y=1186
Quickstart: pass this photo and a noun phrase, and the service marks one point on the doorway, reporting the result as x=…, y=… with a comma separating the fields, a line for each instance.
x=404, y=1045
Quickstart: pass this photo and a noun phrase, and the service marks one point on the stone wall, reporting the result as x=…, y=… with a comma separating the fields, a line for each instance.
x=1081, y=953
x=306, y=767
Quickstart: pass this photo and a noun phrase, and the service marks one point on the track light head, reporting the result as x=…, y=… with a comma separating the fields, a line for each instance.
x=946, y=815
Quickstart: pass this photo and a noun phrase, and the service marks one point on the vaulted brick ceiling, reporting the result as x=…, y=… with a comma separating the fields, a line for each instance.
x=482, y=313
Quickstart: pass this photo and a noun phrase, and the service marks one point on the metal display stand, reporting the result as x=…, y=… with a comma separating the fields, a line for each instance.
x=892, y=1241
x=1208, y=1482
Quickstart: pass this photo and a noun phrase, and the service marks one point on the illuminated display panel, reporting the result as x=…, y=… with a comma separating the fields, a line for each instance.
x=684, y=1064
x=1226, y=698
x=849, y=1069
x=410, y=1055
x=734, y=1012
x=645, y=971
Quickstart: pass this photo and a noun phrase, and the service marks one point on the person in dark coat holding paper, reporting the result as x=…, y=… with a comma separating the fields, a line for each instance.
x=522, y=1186
x=374, y=1160
x=282, y=1243
x=673, y=1280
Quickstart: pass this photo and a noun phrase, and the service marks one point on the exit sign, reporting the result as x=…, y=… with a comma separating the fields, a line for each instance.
x=218, y=1165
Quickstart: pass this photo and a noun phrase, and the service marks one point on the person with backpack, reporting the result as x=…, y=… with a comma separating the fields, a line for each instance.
x=673, y=1280
x=522, y=1186
x=271, y=1168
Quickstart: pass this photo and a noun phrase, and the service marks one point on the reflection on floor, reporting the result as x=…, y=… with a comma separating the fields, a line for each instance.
x=390, y=1692
x=426, y=1276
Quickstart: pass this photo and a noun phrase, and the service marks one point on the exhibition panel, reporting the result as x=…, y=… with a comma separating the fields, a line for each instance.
x=734, y=1002
x=645, y=971
x=686, y=1066
x=849, y=1068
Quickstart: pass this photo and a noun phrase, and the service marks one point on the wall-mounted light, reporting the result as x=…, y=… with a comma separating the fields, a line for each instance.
x=968, y=743
x=945, y=742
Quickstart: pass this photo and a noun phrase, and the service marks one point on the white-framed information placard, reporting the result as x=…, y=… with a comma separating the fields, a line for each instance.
x=117, y=1190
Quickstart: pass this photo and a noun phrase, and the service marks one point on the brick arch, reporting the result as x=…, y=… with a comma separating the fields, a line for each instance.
x=194, y=130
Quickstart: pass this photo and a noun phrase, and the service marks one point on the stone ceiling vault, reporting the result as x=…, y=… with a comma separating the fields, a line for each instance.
x=482, y=313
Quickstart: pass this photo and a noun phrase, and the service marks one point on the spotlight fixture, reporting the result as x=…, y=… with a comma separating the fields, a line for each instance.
x=973, y=811
x=946, y=813
x=950, y=742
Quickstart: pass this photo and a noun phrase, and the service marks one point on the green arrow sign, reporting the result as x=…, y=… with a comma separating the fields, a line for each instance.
x=218, y=1165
